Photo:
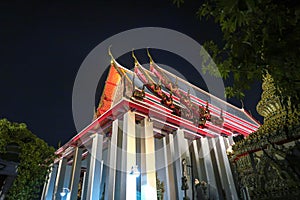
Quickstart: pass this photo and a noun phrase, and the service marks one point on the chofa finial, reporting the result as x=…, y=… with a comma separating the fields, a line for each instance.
x=150, y=57
x=135, y=59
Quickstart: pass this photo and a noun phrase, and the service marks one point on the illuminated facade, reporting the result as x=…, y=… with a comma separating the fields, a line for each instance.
x=151, y=129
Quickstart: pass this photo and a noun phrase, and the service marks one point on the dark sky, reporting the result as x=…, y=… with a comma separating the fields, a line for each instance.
x=42, y=45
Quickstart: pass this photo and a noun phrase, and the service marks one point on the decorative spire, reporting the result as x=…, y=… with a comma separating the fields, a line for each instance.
x=135, y=59
x=150, y=57
x=110, y=54
x=242, y=102
x=269, y=106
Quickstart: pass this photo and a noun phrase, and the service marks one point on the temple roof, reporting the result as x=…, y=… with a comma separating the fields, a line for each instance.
x=117, y=98
x=105, y=103
x=234, y=117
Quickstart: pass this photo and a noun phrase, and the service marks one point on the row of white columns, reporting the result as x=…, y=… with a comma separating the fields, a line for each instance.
x=120, y=159
x=122, y=156
x=66, y=178
x=207, y=154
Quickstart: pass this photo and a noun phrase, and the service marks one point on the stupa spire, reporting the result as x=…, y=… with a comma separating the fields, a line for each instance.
x=269, y=106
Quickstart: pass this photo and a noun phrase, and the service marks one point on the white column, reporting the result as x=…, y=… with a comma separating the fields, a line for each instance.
x=75, y=173
x=225, y=170
x=220, y=166
x=67, y=178
x=197, y=159
x=128, y=181
x=206, y=148
x=94, y=168
x=170, y=183
x=83, y=192
x=148, y=187
x=177, y=163
x=202, y=175
x=86, y=176
x=181, y=151
x=111, y=162
x=60, y=178
x=49, y=186
x=129, y=134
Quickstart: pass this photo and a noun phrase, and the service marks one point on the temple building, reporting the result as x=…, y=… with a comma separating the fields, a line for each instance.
x=153, y=134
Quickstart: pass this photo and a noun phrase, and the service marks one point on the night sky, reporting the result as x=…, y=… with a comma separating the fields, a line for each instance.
x=43, y=45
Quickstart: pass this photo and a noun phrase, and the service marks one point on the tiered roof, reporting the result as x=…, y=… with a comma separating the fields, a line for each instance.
x=117, y=99
x=236, y=120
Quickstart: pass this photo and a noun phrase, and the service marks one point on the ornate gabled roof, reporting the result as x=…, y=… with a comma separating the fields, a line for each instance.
x=236, y=120
x=111, y=83
x=216, y=104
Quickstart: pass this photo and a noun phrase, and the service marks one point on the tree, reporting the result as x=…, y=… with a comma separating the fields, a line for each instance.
x=35, y=158
x=259, y=37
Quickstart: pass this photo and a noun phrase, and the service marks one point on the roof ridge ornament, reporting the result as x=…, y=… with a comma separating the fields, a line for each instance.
x=115, y=65
x=110, y=54
x=150, y=57
x=242, y=102
x=136, y=62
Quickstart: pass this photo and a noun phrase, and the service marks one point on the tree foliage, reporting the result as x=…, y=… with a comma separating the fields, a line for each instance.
x=35, y=158
x=258, y=37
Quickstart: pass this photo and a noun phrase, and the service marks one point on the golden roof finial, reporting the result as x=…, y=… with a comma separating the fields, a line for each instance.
x=242, y=102
x=135, y=59
x=95, y=113
x=110, y=54
x=150, y=57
